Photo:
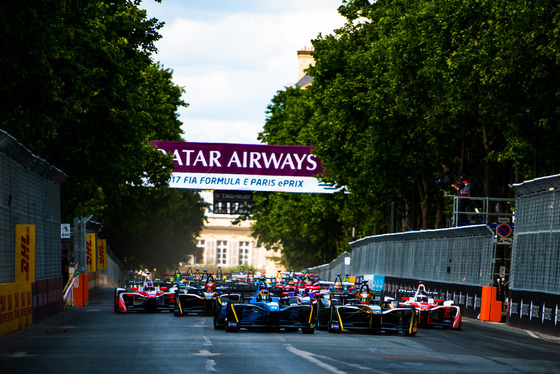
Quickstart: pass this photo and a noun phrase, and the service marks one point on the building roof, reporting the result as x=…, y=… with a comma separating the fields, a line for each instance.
x=305, y=81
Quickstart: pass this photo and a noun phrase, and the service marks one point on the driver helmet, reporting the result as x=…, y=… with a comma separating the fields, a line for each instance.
x=422, y=297
x=210, y=287
x=301, y=292
x=264, y=295
x=364, y=298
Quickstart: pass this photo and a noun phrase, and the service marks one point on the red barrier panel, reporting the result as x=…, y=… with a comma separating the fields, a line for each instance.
x=486, y=303
x=496, y=312
x=80, y=291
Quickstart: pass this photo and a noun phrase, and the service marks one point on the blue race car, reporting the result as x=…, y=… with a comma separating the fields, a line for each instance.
x=264, y=312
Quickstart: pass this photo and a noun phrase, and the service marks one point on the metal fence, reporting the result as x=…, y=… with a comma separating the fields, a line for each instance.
x=29, y=194
x=462, y=255
x=341, y=265
x=536, y=248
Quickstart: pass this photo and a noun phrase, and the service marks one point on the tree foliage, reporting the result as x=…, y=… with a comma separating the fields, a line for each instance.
x=308, y=228
x=406, y=88
x=80, y=89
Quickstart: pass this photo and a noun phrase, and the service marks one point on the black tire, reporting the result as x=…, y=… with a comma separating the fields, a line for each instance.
x=177, y=307
x=116, y=300
x=217, y=325
x=413, y=325
x=308, y=330
x=406, y=333
x=230, y=328
x=329, y=328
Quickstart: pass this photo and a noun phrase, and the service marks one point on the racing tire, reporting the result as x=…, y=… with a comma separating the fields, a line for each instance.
x=230, y=328
x=413, y=325
x=115, y=298
x=177, y=307
x=308, y=330
x=456, y=328
x=332, y=331
x=118, y=291
x=329, y=327
x=217, y=325
x=321, y=326
x=406, y=333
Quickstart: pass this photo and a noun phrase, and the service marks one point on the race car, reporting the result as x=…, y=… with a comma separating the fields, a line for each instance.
x=332, y=293
x=372, y=313
x=146, y=295
x=297, y=290
x=195, y=298
x=432, y=310
x=264, y=312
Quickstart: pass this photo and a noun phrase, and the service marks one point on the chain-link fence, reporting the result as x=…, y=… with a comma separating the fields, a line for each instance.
x=458, y=255
x=30, y=194
x=341, y=265
x=536, y=248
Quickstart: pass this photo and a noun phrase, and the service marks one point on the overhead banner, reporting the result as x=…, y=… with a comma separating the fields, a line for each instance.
x=244, y=167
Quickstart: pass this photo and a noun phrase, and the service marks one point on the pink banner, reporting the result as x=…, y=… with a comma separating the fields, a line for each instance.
x=245, y=159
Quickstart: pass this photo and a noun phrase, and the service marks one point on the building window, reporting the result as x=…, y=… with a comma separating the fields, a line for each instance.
x=244, y=248
x=197, y=257
x=222, y=252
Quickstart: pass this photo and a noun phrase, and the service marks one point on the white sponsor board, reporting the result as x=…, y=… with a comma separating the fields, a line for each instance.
x=271, y=183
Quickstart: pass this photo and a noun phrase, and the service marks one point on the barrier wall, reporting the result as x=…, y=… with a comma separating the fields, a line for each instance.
x=463, y=255
x=30, y=271
x=535, y=311
x=535, y=269
x=341, y=265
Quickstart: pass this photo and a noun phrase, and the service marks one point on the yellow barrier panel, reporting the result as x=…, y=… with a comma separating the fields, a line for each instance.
x=16, y=309
x=90, y=253
x=25, y=254
x=101, y=254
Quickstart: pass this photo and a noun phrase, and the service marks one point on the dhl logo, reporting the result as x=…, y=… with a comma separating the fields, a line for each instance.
x=89, y=250
x=101, y=249
x=25, y=253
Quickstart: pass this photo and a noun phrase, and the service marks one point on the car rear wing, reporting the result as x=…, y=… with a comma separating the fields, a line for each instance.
x=413, y=292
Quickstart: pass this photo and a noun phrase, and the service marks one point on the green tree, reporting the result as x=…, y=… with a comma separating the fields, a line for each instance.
x=306, y=227
x=408, y=86
x=81, y=90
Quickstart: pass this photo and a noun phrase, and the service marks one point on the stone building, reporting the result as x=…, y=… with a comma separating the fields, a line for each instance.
x=221, y=243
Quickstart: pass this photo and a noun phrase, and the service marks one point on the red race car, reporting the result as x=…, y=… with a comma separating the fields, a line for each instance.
x=147, y=295
x=432, y=310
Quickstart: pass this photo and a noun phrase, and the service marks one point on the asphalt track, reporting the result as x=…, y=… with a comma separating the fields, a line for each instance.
x=94, y=339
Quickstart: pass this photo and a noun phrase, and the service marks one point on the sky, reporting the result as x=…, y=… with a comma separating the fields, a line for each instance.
x=232, y=57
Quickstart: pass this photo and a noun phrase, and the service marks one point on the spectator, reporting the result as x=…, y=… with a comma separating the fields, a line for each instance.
x=464, y=189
